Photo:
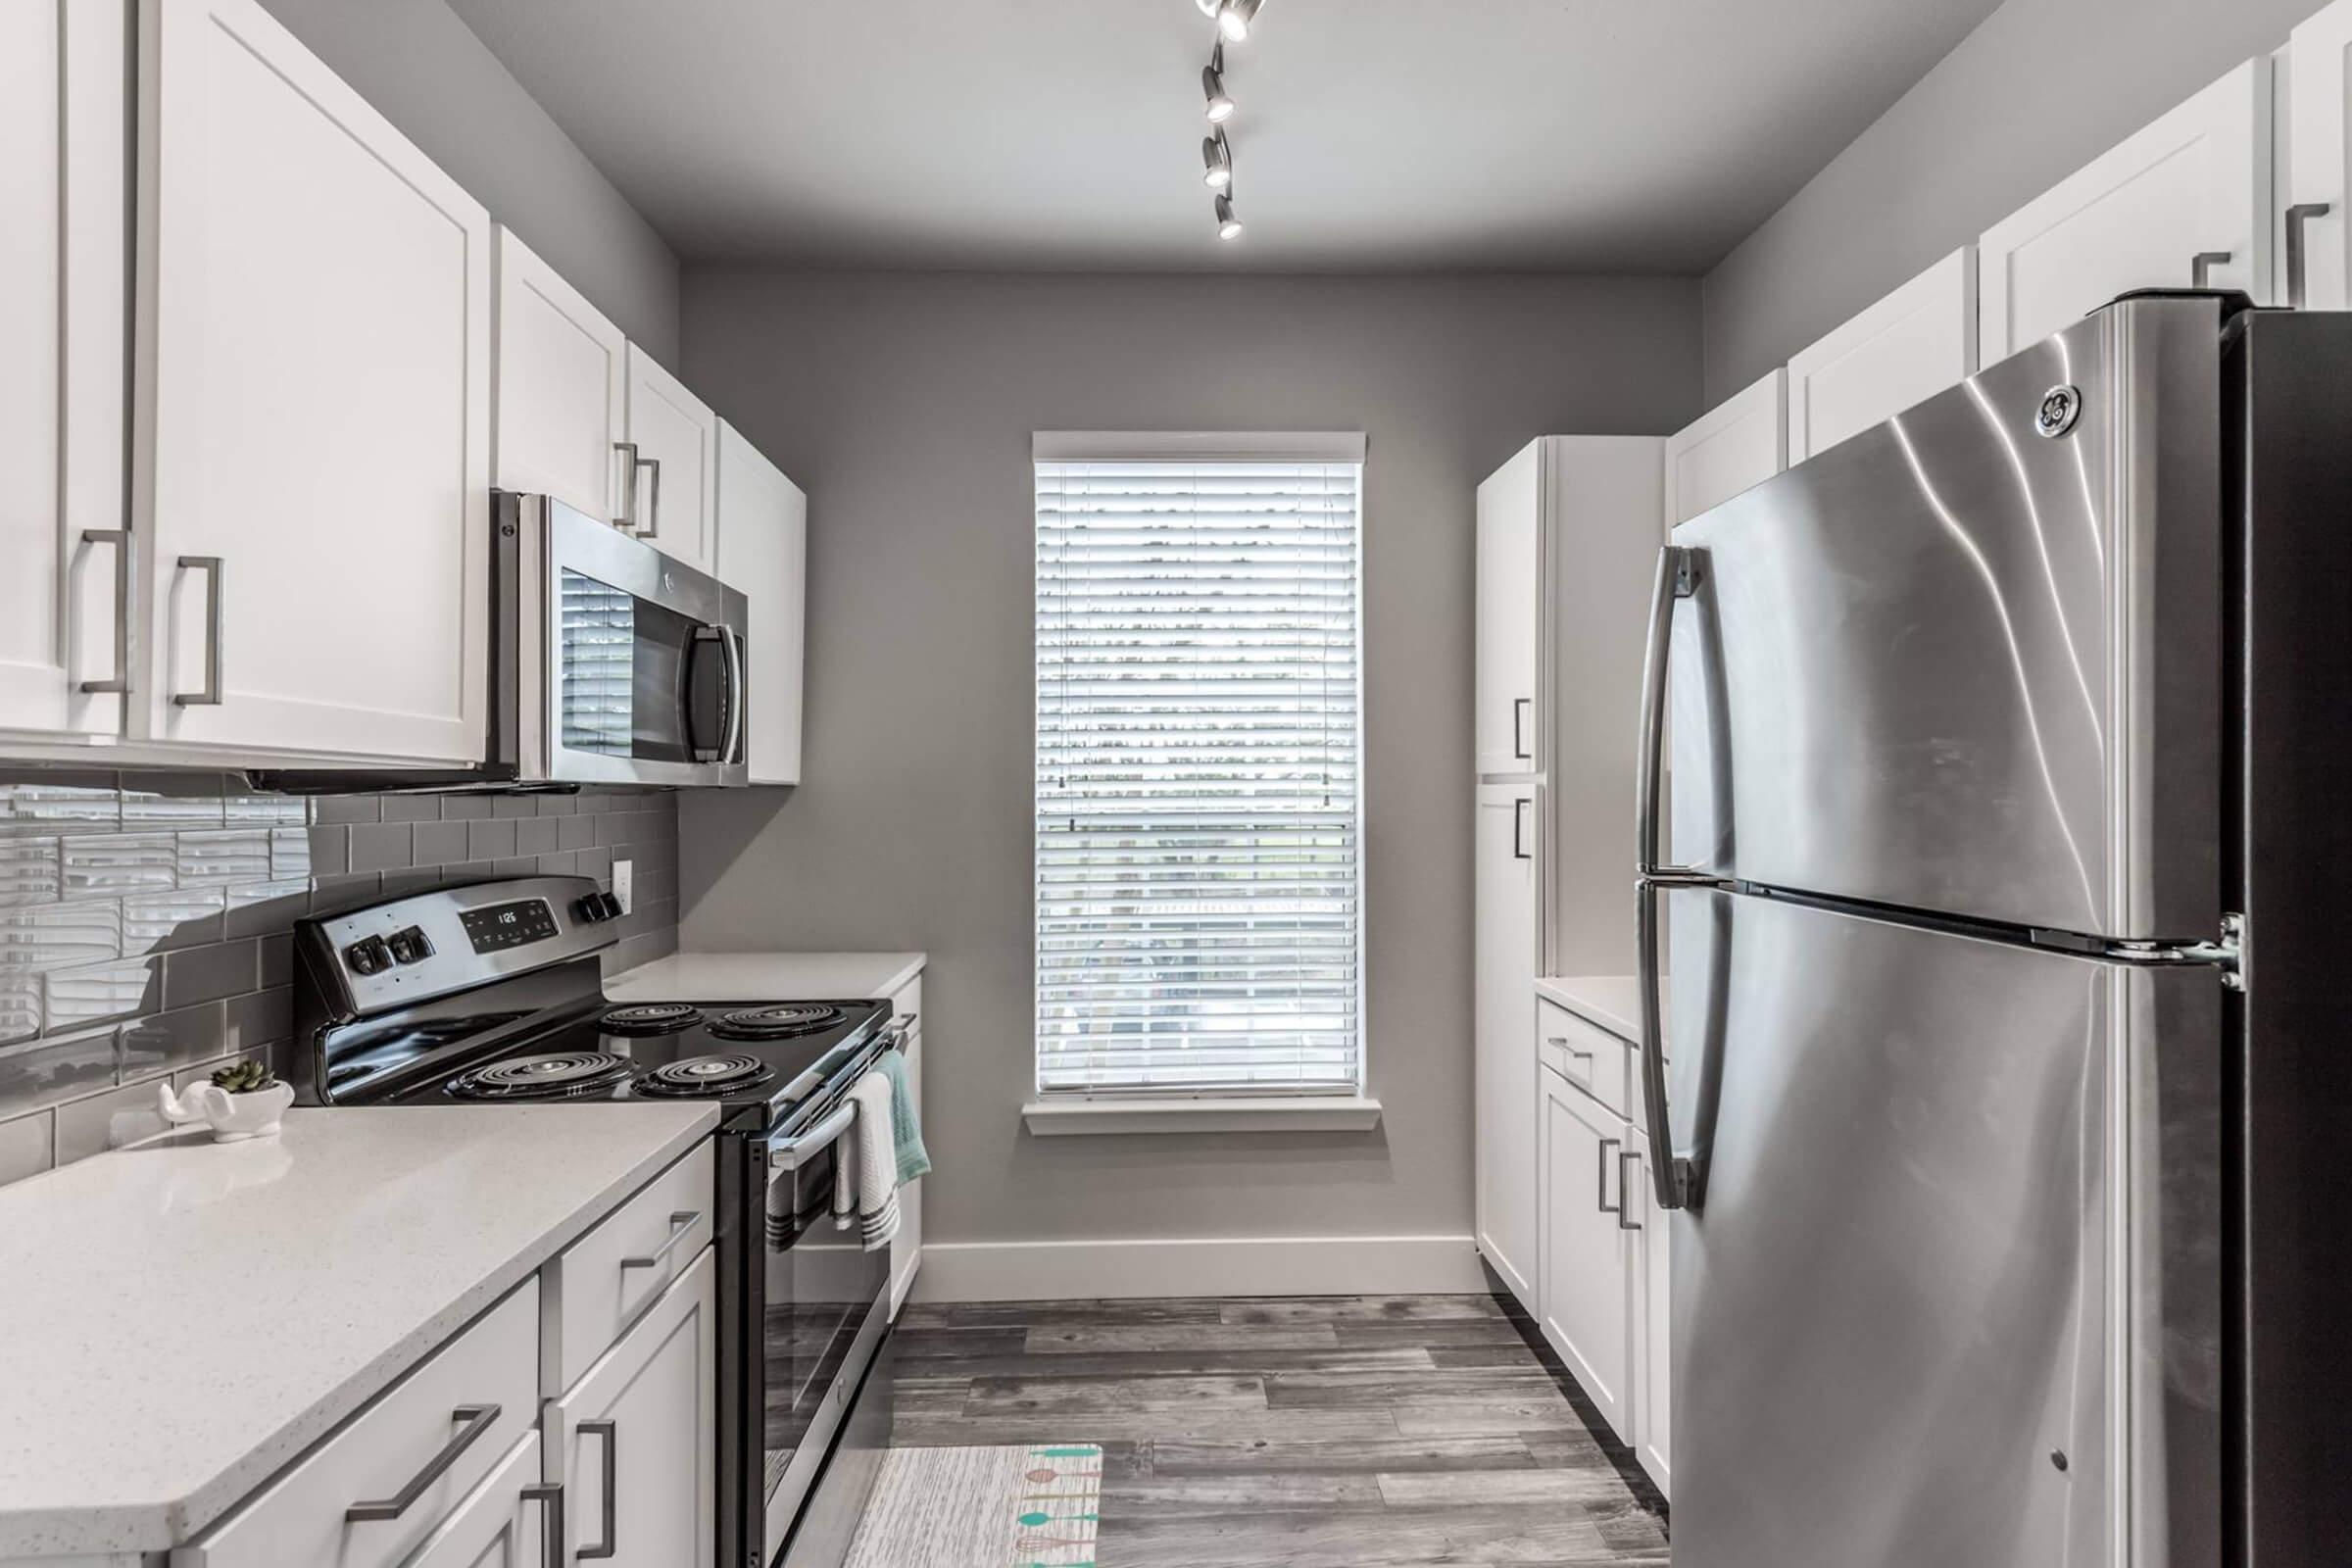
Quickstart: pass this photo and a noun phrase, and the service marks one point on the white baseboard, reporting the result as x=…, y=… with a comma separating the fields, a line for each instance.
x=1270, y=1265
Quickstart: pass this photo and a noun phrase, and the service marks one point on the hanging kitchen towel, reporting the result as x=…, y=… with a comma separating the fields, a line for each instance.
x=876, y=1158
x=906, y=1128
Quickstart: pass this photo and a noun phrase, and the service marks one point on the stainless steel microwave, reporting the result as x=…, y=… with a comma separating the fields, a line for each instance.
x=610, y=664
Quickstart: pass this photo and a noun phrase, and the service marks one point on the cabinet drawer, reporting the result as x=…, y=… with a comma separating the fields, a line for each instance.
x=504, y=1524
x=603, y=1281
x=1586, y=1054
x=300, y=1518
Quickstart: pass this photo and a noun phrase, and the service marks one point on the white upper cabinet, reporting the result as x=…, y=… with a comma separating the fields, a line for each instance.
x=2185, y=201
x=562, y=387
x=62, y=163
x=1911, y=345
x=2319, y=113
x=315, y=363
x=1509, y=714
x=1741, y=443
x=764, y=551
x=672, y=501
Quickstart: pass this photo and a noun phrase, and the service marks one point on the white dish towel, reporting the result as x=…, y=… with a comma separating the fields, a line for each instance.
x=871, y=1168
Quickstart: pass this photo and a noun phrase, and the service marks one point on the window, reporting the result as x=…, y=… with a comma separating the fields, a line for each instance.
x=1198, y=874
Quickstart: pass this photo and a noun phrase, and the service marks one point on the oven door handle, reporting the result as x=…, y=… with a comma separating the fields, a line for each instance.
x=790, y=1153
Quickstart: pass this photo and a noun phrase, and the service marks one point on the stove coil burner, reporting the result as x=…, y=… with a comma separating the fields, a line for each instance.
x=650, y=1018
x=706, y=1075
x=774, y=1023
x=559, y=1076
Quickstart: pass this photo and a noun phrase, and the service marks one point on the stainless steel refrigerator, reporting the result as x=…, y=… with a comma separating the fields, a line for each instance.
x=2002, y=1068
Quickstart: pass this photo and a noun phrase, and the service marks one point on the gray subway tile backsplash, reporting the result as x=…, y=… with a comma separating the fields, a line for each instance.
x=144, y=921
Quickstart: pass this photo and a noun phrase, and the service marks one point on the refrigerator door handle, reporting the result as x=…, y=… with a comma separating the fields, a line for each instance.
x=1681, y=569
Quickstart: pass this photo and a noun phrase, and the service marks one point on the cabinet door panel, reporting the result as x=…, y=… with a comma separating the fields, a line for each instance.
x=1588, y=1286
x=61, y=172
x=563, y=386
x=636, y=1440
x=499, y=1526
x=676, y=504
x=1903, y=350
x=1653, y=1293
x=1741, y=443
x=318, y=349
x=1510, y=592
x=764, y=551
x=2320, y=140
x=2198, y=182
x=1504, y=1023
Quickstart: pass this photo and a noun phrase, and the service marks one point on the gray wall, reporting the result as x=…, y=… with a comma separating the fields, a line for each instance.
x=904, y=405
x=2040, y=89
x=426, y=72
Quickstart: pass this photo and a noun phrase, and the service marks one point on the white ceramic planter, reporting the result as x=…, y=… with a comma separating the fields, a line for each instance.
x=232, y=1117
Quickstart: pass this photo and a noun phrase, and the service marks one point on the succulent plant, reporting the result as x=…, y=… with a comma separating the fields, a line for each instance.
x=244, y=1077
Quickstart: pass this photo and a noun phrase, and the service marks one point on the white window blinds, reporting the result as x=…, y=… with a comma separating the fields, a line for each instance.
x=1198, y=722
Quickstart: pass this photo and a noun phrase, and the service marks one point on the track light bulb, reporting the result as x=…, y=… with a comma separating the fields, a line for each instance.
x=1234, y=18
x=1216, y=158
x=1220, y=102
x=1228, y=225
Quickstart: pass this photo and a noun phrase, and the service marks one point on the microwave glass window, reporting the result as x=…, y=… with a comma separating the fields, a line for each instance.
x=600, y=647
x=623, y=688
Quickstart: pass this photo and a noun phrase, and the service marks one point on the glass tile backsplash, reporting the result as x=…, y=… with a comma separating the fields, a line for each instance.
x=144, y=922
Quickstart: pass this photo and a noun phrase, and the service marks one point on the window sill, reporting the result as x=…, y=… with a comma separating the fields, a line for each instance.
x=1316, y=1113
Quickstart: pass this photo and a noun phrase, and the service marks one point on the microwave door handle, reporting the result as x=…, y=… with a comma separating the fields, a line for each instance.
x=731, y=646
x=700, y=643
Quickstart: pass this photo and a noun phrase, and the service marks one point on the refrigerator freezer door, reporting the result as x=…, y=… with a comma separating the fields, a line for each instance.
x=1911, y=1324
x=1956, y=663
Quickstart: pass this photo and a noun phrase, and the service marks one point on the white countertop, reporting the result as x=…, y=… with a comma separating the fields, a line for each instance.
x=1613, y=1002
x=183, y=1317
x=764, y=977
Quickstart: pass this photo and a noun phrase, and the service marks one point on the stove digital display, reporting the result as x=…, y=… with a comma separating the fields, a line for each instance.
x=509, y=925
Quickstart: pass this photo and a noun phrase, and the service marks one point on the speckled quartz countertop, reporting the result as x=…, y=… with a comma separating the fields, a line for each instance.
x=1612, y=1001
x=183, y=1317
x=764, y=977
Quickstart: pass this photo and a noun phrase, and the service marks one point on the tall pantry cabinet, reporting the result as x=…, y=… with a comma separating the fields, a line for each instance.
x=1567, y=535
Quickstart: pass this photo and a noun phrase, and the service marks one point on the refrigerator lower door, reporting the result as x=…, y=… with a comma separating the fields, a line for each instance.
x=1970, y=660
x=1951, y=1298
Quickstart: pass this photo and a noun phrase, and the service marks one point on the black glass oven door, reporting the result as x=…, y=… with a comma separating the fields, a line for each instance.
x=822, y=1283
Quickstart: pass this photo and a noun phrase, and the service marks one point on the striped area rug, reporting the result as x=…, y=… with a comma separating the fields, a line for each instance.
x=1031, y=1506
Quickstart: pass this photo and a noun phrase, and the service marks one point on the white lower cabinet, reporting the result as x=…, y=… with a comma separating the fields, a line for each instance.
x=1503, y=1030
x=371, y=1493
x=635, y=1443
x=1591, y=1275
x=1653, y=1403
x=505, y=1524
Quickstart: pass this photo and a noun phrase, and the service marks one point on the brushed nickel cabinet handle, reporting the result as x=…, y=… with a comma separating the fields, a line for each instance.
x=119, y=538
x=1520, y=706
x=475, y=1420
x=681, y=1226
x=210, y=697
x=2201, y=266
x=1625, y=1192
x=1601, y=1181
x=551, y=1534
x=2297, y=257
x=1519, y=849
x=626, y=522
x=653, y=526
x=609, y=1430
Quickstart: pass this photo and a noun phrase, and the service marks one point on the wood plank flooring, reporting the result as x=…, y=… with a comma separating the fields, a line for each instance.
x=1321, y=1432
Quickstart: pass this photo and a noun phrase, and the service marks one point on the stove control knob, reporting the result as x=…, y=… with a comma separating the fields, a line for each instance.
x=411, y=946
x=368, y=955
x=597, y=908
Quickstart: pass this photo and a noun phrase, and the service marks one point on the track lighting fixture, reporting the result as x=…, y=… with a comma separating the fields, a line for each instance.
x=1228, y=225
x=1208, y=8
x=1216, y=158
x=1213, y=87
x=1234, y=18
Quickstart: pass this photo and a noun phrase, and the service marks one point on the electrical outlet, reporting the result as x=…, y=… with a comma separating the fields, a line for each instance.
x=624, y=885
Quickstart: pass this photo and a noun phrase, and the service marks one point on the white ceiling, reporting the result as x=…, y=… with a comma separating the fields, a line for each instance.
x=1590, y=136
